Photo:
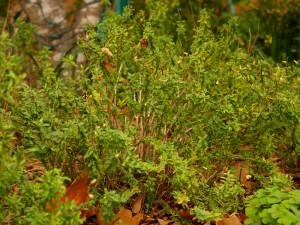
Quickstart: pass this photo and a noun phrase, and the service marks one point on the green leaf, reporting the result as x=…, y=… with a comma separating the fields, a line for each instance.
x=286, y=217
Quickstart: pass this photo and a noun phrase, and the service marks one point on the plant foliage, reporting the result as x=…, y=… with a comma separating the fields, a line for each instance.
x=147, y=114
x=273, y=206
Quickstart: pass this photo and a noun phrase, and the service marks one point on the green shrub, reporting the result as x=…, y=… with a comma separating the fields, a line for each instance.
x=146, y=114
x=26, y=204
x=23, y=201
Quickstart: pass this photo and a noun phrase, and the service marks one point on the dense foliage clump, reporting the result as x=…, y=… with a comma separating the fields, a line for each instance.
x=145, y=114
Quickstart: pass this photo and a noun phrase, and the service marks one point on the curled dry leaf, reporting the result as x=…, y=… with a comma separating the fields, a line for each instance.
x=107, y=51
x=100, y=220
x=242, y=217
x=137, y=205
x=77, y=191
x=231, y=220
x=107, y=65
x=243, y=176
x=149, y=220
x=296, y=175
x=144, y=43
x=89, y=213
x=124, y=216
x=186, y=214
x=164, y=222
x=137, y=219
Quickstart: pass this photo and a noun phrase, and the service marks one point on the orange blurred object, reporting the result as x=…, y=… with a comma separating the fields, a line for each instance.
x=77, y=192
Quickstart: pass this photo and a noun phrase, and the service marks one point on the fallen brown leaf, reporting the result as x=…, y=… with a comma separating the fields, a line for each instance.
x=144, y=43
x=164, y=222
x=148, y=220
x=242, y=217
x=137, y=205
x=231, y=220
x=89, y=213
x=107, y=51
x=99, y=219
x=243, y=176
x=186, y=214
x=296, y=175
x=125, y=215
x=274, y=159
x=107, y=65
x=153, y=213
x=78, y=192
x=136, y=219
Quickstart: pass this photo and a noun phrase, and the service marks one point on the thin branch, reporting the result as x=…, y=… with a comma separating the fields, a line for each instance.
x=6, y=18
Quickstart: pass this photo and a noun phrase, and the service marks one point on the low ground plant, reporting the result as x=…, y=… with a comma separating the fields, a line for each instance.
x=273, y=206
x=146, y=115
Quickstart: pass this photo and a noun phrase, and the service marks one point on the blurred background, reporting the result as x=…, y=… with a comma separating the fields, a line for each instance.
x=269, y=28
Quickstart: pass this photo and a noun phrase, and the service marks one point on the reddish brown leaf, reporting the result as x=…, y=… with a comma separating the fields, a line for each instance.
x=274, y=159
x=231, y=220
x=242, y=217
x=89, y=213
x=137, y=205
x=243, y=176
x=148, y=220
x=296, y=175
x=107, y=65
x=144, y=43
x=187, y=215
x=78, y=191
x=99, y=219
x=125, y=215
x=51, y=205
x=153, y=213
x=164, y=222
x=136, y=219
x=107, y=51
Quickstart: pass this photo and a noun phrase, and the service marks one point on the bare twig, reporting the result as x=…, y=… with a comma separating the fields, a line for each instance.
x=6, y=18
